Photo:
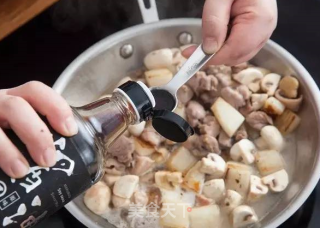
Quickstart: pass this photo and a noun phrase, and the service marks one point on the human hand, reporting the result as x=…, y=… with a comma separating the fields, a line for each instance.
x=251, y=23
x=18, y=111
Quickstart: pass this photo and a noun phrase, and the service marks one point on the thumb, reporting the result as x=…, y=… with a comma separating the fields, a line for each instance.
x=215, y=20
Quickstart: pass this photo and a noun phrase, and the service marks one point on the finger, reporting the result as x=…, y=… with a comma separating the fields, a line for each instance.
x=215, y=20
x=50, y=104
x=251, y=28
x=11, y=160
x=28, y=126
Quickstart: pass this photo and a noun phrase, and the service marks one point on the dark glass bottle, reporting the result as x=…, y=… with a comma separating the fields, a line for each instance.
x=25, y=202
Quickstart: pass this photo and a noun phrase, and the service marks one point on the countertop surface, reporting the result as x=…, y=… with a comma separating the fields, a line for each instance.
x=43, y=48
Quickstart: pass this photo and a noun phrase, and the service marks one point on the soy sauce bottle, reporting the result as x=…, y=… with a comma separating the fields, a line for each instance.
x=25, y=202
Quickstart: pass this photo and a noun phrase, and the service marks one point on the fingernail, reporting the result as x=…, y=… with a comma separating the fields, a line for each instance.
x=71, y=126
x=49, y=157
x=210, y=46
x=19, y=169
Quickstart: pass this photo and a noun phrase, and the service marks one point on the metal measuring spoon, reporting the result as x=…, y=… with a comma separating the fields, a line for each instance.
x=166, y=96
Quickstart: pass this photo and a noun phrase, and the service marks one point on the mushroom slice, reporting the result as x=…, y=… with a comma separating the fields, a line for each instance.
x=231, y=201
x=254, y=86
x=238, y=178
x=273, y=106
x=194, y=179
x=228, y=117
x=292, y=104
x=126, y=186
x=258, y=100
x=289, y=86
x=272, y=137
x=214, y=189
x=263, y=71
x=119, y=202
x=243, y=216
x=97, y=198
x=158, y=77
x=136, y=130
x=158, y=59
x=168, y=180
x=181, y=160
x=257, y=189
x=143, y=148
x=214, y=165
x=248, y=76
x=205, y=217
x=277, y=181
x=270, y=83
x=243, y=150
x=269, y=161
x=287, y=122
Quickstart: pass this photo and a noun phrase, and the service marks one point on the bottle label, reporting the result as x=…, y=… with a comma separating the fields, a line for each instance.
x=25, y=202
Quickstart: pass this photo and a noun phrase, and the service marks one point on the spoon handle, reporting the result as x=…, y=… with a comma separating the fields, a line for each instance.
x=197, y=60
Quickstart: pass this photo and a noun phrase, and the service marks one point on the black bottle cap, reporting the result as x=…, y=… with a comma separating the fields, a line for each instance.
x=141, y=98
x=171, y=126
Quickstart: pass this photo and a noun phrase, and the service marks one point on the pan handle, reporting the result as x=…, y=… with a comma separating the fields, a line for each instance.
x=149, y=14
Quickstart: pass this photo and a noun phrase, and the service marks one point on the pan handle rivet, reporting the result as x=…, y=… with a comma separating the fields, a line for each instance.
x=185, y=38
x=126, y=51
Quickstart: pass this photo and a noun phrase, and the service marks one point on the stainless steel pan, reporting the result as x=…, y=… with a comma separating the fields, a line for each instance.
x=100, y=67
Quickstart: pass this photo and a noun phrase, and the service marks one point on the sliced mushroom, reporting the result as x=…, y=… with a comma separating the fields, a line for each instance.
x=243, y=151
x=243, y=216
x=136, y=130
x=269, y=161
x=273, y=106
x=141, y=165
x=143, y=148
x=97, y=198
x=228, y=117
x=277, y=181
x=289, y=86
x=257, y=120
x=194, y=179
x=254, y=86
x=177, y=56
x=247, y=76
x=258, y=100
x=126, y=186
x=168, y=180
x=231, y=201
x=119, y=202
x=263, y=71
x=110, y=179
x=140, y=198
x=185, y=94
x=214, y=189
x=287, y=122
x=181, y=160
x=238, y=178
x=257, y=189
x=205, y=217
x=272, y=137
x=112, y=166
x=159, y=59
x=213, y=165
x=292, y=104
x=158, y=77
x=270, y=83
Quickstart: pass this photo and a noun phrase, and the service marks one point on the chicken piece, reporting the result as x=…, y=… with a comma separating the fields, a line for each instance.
x=224, y=80
x=208, y=83
x=201, y=146
x=241, y=133
x=112, y=166
x=244, y=91
x=247, y=109
x=210, y=126
x=122, y=149
x=150, y=135
x=185, y=94
x=258, y=120
x=140, y=198
x=141, y=165
x=233, y=97
x=154, y=196
x=208, y=98
x=237, y=68
x=195, y=113
x=213, y=69
x=224, y=140
x=201, y=200
x=194, y=82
